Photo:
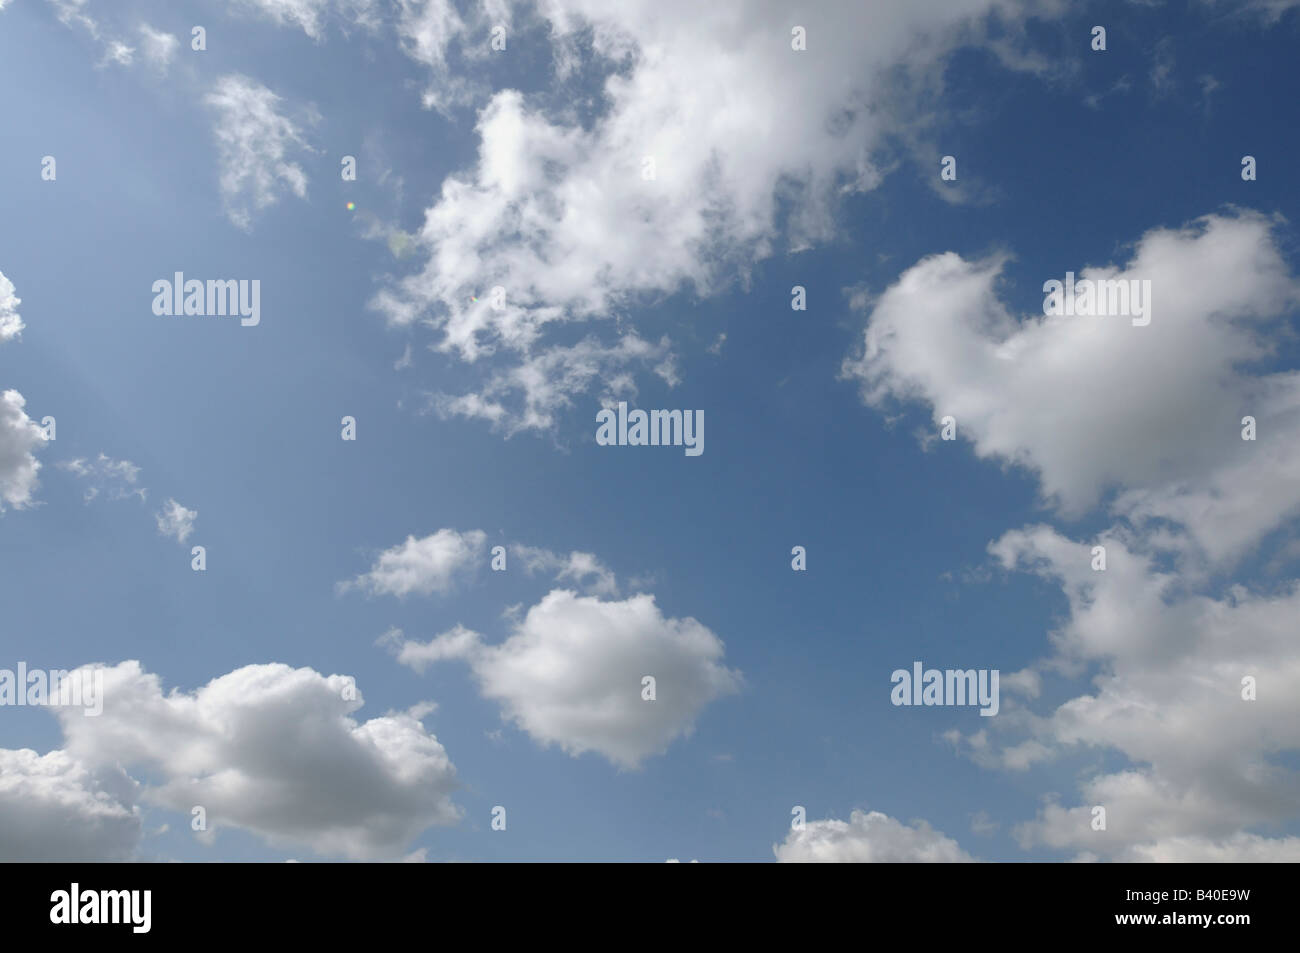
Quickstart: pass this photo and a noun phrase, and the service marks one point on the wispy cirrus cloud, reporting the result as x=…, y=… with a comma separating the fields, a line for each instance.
x=256, y=141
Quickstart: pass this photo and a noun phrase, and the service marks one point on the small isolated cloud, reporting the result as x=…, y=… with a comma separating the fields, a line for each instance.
x=254, y=141
x=116, y=479
x=571, y=673
x=11, y=324
x=175, y=520
x=869, y=838
x=20, y=438
x=422, y=566
x=458, y=642
x=1162, y=69
x=159, y=47
x=582, y=569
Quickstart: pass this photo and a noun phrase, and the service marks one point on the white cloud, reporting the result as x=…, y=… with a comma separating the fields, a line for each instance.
x=576, y=567
x=424, y=566
x=458, y=642
x=159, y=47
x=20, y=438
x=428, y=30
x=1237, y=849
x=54, y=809
x=175, y=520
x=275, y=751
x=437, y=562
x=868, y=838
x=571, y=674
x=557, y=212
x=11, y=323
x=254, y=141
x=310, y=15
x=1144, y=422
x=546, y=381
x=1096, y=404
x=304, y=14
x=1168, y=697
x=117, y=478
x=425, y=28
x=115, y=51
x=72, y=12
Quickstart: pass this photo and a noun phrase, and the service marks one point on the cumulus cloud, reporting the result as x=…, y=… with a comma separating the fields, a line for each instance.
x=1093, y=405
x=869, y=838
x=456, y=643
x=271, y=750
x=20, y=436
x=55, y=809
x=255, y=140
x=1237, y=849
x=176, y=521
x=561, y=212
x=439, y=561
x=11, y=323
x=423, y=566
x=571, y=673
x=1144, y=422
x=20, y=439
x=1169, y=697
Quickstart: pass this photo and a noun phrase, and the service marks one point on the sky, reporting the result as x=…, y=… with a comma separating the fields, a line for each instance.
x=359, y=579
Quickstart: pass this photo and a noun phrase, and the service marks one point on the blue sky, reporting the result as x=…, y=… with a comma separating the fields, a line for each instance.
x=776, y=167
